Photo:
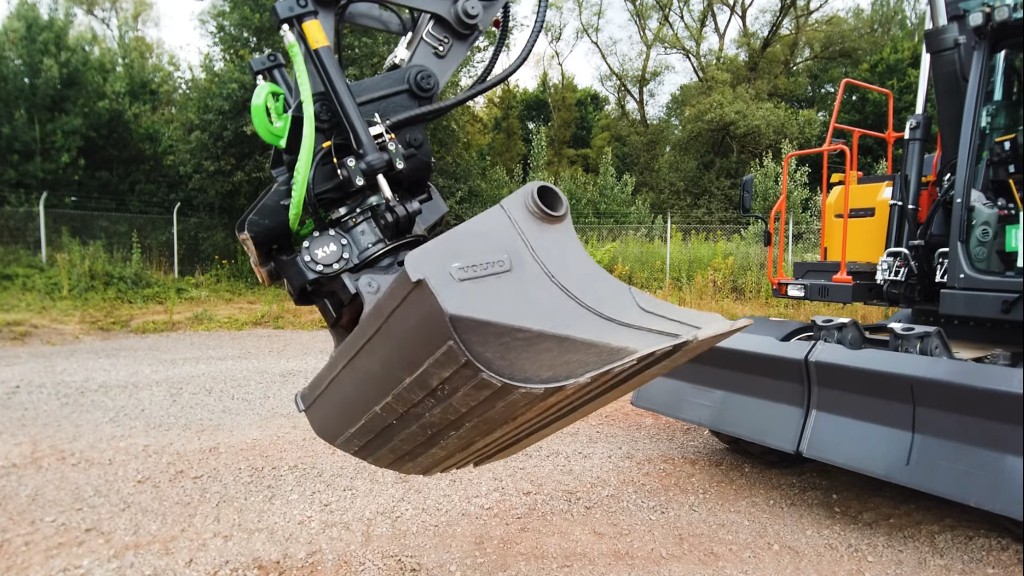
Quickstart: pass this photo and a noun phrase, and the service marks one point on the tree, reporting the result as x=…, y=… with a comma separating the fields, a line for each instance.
x=46, y=77
x=629, y=50
x=563, y=35
x=606, y=197
x=504, y=116
x=222, y=163
x=141, y=92
x=719, y=129
x=88, y=104
x=802, y=201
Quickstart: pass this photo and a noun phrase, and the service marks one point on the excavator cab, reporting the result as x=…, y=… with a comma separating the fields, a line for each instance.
x=453, y=347
x=992, y=226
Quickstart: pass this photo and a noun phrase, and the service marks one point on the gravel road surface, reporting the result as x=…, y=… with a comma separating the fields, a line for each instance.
x=184, y=454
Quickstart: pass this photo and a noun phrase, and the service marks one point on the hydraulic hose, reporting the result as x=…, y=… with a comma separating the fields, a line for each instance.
x=300, y=176
x=499, y=45
x=439, y=108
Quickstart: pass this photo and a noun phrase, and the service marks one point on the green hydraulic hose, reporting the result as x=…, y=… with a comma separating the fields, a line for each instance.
x=300, y=178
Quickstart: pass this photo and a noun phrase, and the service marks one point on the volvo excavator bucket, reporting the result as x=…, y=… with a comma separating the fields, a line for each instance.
x=491, y=337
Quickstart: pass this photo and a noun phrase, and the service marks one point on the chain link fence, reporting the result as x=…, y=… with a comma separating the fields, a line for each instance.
x=727, y=251
x=202, y=244
x=670, y=250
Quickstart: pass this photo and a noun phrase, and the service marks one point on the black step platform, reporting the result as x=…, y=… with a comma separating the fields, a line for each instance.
x=817, y=278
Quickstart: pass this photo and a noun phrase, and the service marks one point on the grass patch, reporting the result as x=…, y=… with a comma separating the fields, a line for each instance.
x=38, y=319
x=717, y=273
x=88, y=290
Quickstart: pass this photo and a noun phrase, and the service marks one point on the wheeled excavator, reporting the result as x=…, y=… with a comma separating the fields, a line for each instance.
x=460, y=347
x=452, y=347
x=932, y=398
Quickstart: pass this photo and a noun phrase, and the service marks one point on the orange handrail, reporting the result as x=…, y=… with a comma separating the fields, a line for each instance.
x=780, y=209
x=851, y=166
x=890, y=136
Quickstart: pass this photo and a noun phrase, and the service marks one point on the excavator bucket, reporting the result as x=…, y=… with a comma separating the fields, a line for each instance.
x=493, y=336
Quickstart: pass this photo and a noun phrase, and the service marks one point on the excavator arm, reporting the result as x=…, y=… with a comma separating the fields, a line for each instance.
x=452, y=347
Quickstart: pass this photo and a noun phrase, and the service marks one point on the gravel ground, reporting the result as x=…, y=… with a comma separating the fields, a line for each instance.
x=184, y=454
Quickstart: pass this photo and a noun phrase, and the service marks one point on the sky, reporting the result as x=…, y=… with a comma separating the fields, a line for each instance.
x=178, y=28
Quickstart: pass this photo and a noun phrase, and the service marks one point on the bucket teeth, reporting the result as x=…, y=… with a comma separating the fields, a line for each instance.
x=492, y=337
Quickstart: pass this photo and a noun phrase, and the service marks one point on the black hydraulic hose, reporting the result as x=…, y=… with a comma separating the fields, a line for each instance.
x=499, y=45
x=944, y=193
x=436, y=109
x=918, y=130
x=312, y=205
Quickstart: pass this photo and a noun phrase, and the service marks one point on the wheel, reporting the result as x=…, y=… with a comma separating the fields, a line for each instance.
x=771, y=455
x=730, y=441
x=762, y=453
x=1014, y=528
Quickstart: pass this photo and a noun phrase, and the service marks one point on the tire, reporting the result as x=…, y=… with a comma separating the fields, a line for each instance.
x=1014, y=528
x=730, y=441
x=764, y=454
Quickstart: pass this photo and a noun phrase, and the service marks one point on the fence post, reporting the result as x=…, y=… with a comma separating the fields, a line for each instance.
x=668, y=247
x=42, y=224
x=791, y=224
x=175, y=230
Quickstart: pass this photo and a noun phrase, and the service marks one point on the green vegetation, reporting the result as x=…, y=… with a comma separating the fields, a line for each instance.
x=100, y=110
x=89, y=288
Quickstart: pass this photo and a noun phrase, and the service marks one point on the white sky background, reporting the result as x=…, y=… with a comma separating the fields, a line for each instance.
x=178, y=28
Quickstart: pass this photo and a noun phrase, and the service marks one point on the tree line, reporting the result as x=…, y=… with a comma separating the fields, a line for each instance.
x=692, y=94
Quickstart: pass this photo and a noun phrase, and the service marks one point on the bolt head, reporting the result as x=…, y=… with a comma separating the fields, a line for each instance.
x=344, y=241
x=305, y=244
x=399, y=164
x=316, y=234
x=336, y=266
x=350, y=162
x=308, y=259
x=360, y=181
x=344, y=255
x=331, y=232
x=319, y=267
x=391, y=145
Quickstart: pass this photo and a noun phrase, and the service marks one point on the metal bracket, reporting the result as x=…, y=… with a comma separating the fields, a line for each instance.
x=354, y=172
x=397, y=156
x=846, y=332
x=919, y=340
x=386, y=140
x=894, y=268
x=941, y=265
x=400, y=55
x=436, y=41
